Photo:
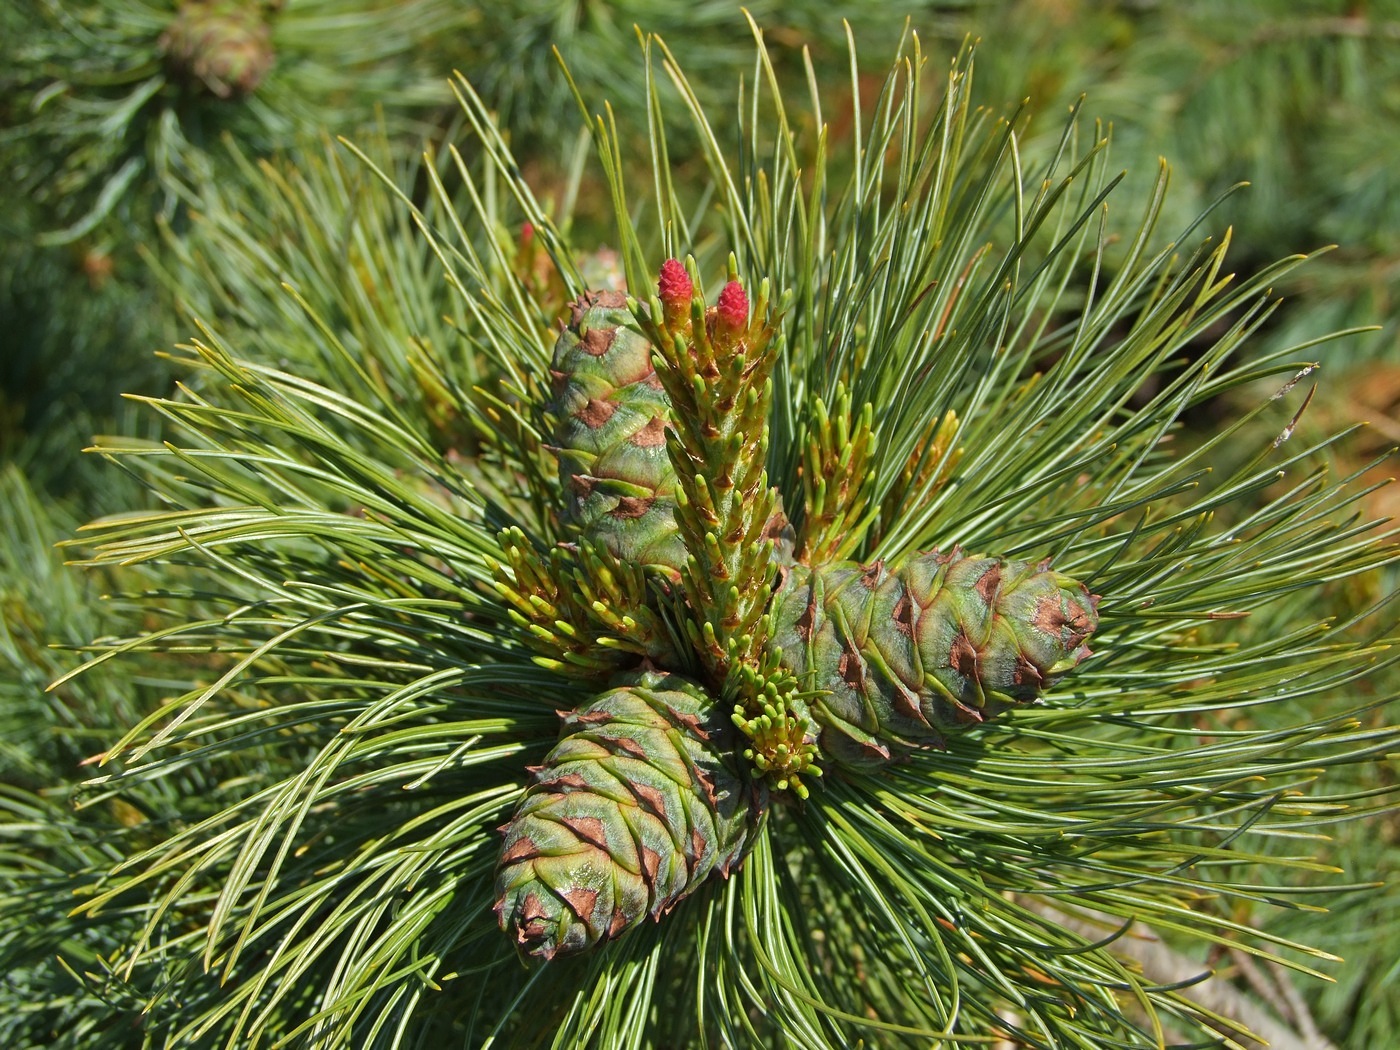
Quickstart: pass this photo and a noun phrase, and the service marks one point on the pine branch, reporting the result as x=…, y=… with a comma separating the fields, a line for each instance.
x=350, y=710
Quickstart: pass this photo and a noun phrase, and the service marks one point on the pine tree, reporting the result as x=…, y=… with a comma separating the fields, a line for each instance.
x=374, y=597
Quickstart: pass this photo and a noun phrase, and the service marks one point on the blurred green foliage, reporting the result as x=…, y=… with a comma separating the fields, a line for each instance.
x=1299, y=100
x=113, y=116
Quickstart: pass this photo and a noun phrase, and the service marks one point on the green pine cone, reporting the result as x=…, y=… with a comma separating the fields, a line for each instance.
x=611, y=434
x=633, y=809
x=222, y=45
x=944, y=640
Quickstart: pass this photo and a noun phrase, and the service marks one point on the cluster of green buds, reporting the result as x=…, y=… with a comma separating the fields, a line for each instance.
x=774, y=718
x=837, y=481
x=715, y=365
x=585, y=610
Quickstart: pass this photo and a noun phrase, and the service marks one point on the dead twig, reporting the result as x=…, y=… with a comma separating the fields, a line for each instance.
x=1292, y=1029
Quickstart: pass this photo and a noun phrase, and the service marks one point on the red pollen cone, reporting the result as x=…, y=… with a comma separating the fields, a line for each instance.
x=673, y=287
x=733, y=306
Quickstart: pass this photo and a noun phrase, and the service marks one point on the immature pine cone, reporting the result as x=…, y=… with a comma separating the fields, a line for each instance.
x=611, y=434
x=632, y=810
x=943, y=640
